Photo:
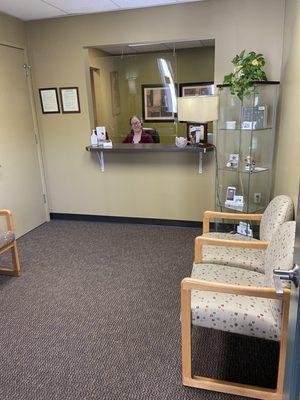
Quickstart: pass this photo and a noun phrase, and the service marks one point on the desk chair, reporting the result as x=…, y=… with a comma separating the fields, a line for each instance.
x=249, y=253
x=237, y=300
x=153, y=133
x=8, y=242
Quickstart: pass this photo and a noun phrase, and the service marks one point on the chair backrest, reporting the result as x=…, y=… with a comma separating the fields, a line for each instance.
x=279, y=255
x=153, y=133
x=279, y=210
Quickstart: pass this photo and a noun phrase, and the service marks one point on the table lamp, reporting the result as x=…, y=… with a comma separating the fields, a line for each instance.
x=198, y=109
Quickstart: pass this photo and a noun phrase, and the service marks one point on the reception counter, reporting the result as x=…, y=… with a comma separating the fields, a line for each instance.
x=150, y=148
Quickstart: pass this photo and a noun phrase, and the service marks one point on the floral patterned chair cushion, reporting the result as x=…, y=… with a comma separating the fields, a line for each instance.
x=245, y=315
x=280, y=255
x=251, y=316
x=279, y=210
x=234, y=256
x=6, y=238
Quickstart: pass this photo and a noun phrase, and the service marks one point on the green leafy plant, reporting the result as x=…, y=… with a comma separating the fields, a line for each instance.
x=247, y=69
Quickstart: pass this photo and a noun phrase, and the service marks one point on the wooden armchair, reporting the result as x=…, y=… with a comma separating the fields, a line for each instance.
x=8, y=242
x=241, y=301
x=248, y=255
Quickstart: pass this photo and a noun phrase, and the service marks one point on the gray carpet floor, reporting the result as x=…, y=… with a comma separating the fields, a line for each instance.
x=95, y=315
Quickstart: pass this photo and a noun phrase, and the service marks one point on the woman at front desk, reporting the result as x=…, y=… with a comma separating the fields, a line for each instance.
x=137, y=134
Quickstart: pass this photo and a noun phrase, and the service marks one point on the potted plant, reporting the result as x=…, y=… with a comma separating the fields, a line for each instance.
x=248, y=69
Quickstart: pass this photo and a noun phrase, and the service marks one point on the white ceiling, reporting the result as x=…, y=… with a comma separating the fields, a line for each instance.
x=39, y=9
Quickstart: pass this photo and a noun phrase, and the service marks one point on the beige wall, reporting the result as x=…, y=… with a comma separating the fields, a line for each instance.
x=149, y=185
x=12, y=31
x=288, y=144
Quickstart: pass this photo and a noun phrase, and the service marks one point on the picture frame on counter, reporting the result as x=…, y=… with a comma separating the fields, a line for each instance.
x=69, y=97
x=49, y=100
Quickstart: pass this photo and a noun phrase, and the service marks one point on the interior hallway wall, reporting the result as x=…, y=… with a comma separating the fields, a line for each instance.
x=141, y=185
x=287, y=171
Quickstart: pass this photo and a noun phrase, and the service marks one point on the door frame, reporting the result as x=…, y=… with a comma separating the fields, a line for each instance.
x=291, y=381
x=36, y=131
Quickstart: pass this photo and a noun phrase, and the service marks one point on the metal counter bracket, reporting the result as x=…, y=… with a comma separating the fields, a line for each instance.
x=101, y=160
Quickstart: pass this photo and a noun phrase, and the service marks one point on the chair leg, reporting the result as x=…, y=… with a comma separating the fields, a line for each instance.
x=283, y=345
x=16, y=263
x=186, y=332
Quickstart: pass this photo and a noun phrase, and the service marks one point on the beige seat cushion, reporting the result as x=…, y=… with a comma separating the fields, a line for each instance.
x=6, y=238
x=237, y=257
x=251, y=316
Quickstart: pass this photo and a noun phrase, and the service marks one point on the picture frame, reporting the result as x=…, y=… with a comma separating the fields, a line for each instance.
x=157, y=103
x=49, y=100
x=196, y=132
x=115, y=93
x=194, y=89
x=69, y=97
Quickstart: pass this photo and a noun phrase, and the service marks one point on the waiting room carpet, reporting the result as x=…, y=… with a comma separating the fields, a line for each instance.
x=95, y=315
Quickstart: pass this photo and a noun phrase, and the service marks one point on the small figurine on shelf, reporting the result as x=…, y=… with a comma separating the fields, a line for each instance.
x=233, y=161
x=250, y=164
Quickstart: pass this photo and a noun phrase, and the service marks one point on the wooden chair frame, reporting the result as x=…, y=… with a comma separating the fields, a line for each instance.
x=188, y=379
x=11, y=246
x=208, y=215
x=188, y=284
x=200, y=241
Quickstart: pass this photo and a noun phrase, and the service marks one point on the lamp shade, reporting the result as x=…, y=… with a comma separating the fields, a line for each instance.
x=198, y=109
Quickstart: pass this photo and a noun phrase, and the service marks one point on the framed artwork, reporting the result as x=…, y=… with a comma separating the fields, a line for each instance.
x=196, y=133
x=49, y=100
x=157, y=102
x=196, y=89
x=115, y=93
x=69, y=97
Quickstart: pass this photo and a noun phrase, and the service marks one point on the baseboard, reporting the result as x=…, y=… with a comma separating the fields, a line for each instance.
x=219, y=227
x=126, y=220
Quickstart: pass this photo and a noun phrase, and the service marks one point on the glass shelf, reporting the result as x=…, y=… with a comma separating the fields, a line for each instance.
x=240, y=146
x=238, y=130
x=256, y=171
x=252, y=209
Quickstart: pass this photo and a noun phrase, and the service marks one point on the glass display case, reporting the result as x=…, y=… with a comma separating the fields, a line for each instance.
x=245, y=147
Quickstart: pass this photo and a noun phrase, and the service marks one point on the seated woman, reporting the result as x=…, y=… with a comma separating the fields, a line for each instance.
x=137, y=135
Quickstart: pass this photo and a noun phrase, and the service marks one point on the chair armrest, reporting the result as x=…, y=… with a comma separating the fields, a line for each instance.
x=200, y=241
x=9, y=219
x=254, y=291
x=208, y=215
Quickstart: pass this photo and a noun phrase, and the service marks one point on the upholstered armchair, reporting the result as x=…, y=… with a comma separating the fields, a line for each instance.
x=249, y=254
x=8, y=242
x=242, y=301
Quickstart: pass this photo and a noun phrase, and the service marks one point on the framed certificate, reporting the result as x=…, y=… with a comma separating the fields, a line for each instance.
x=69, y=99
x=49, y=100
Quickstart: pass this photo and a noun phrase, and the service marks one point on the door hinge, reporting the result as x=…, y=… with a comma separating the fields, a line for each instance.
x=27, y=69
x=45, y=199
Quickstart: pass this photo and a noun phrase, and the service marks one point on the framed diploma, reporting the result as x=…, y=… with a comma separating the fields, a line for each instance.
x=49, y=100
x=69, y=99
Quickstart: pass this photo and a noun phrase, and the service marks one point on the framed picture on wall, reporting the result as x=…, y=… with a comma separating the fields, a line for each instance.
x=196, y=89
x=159, y=103
x=69, y=99
x=49, y=100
